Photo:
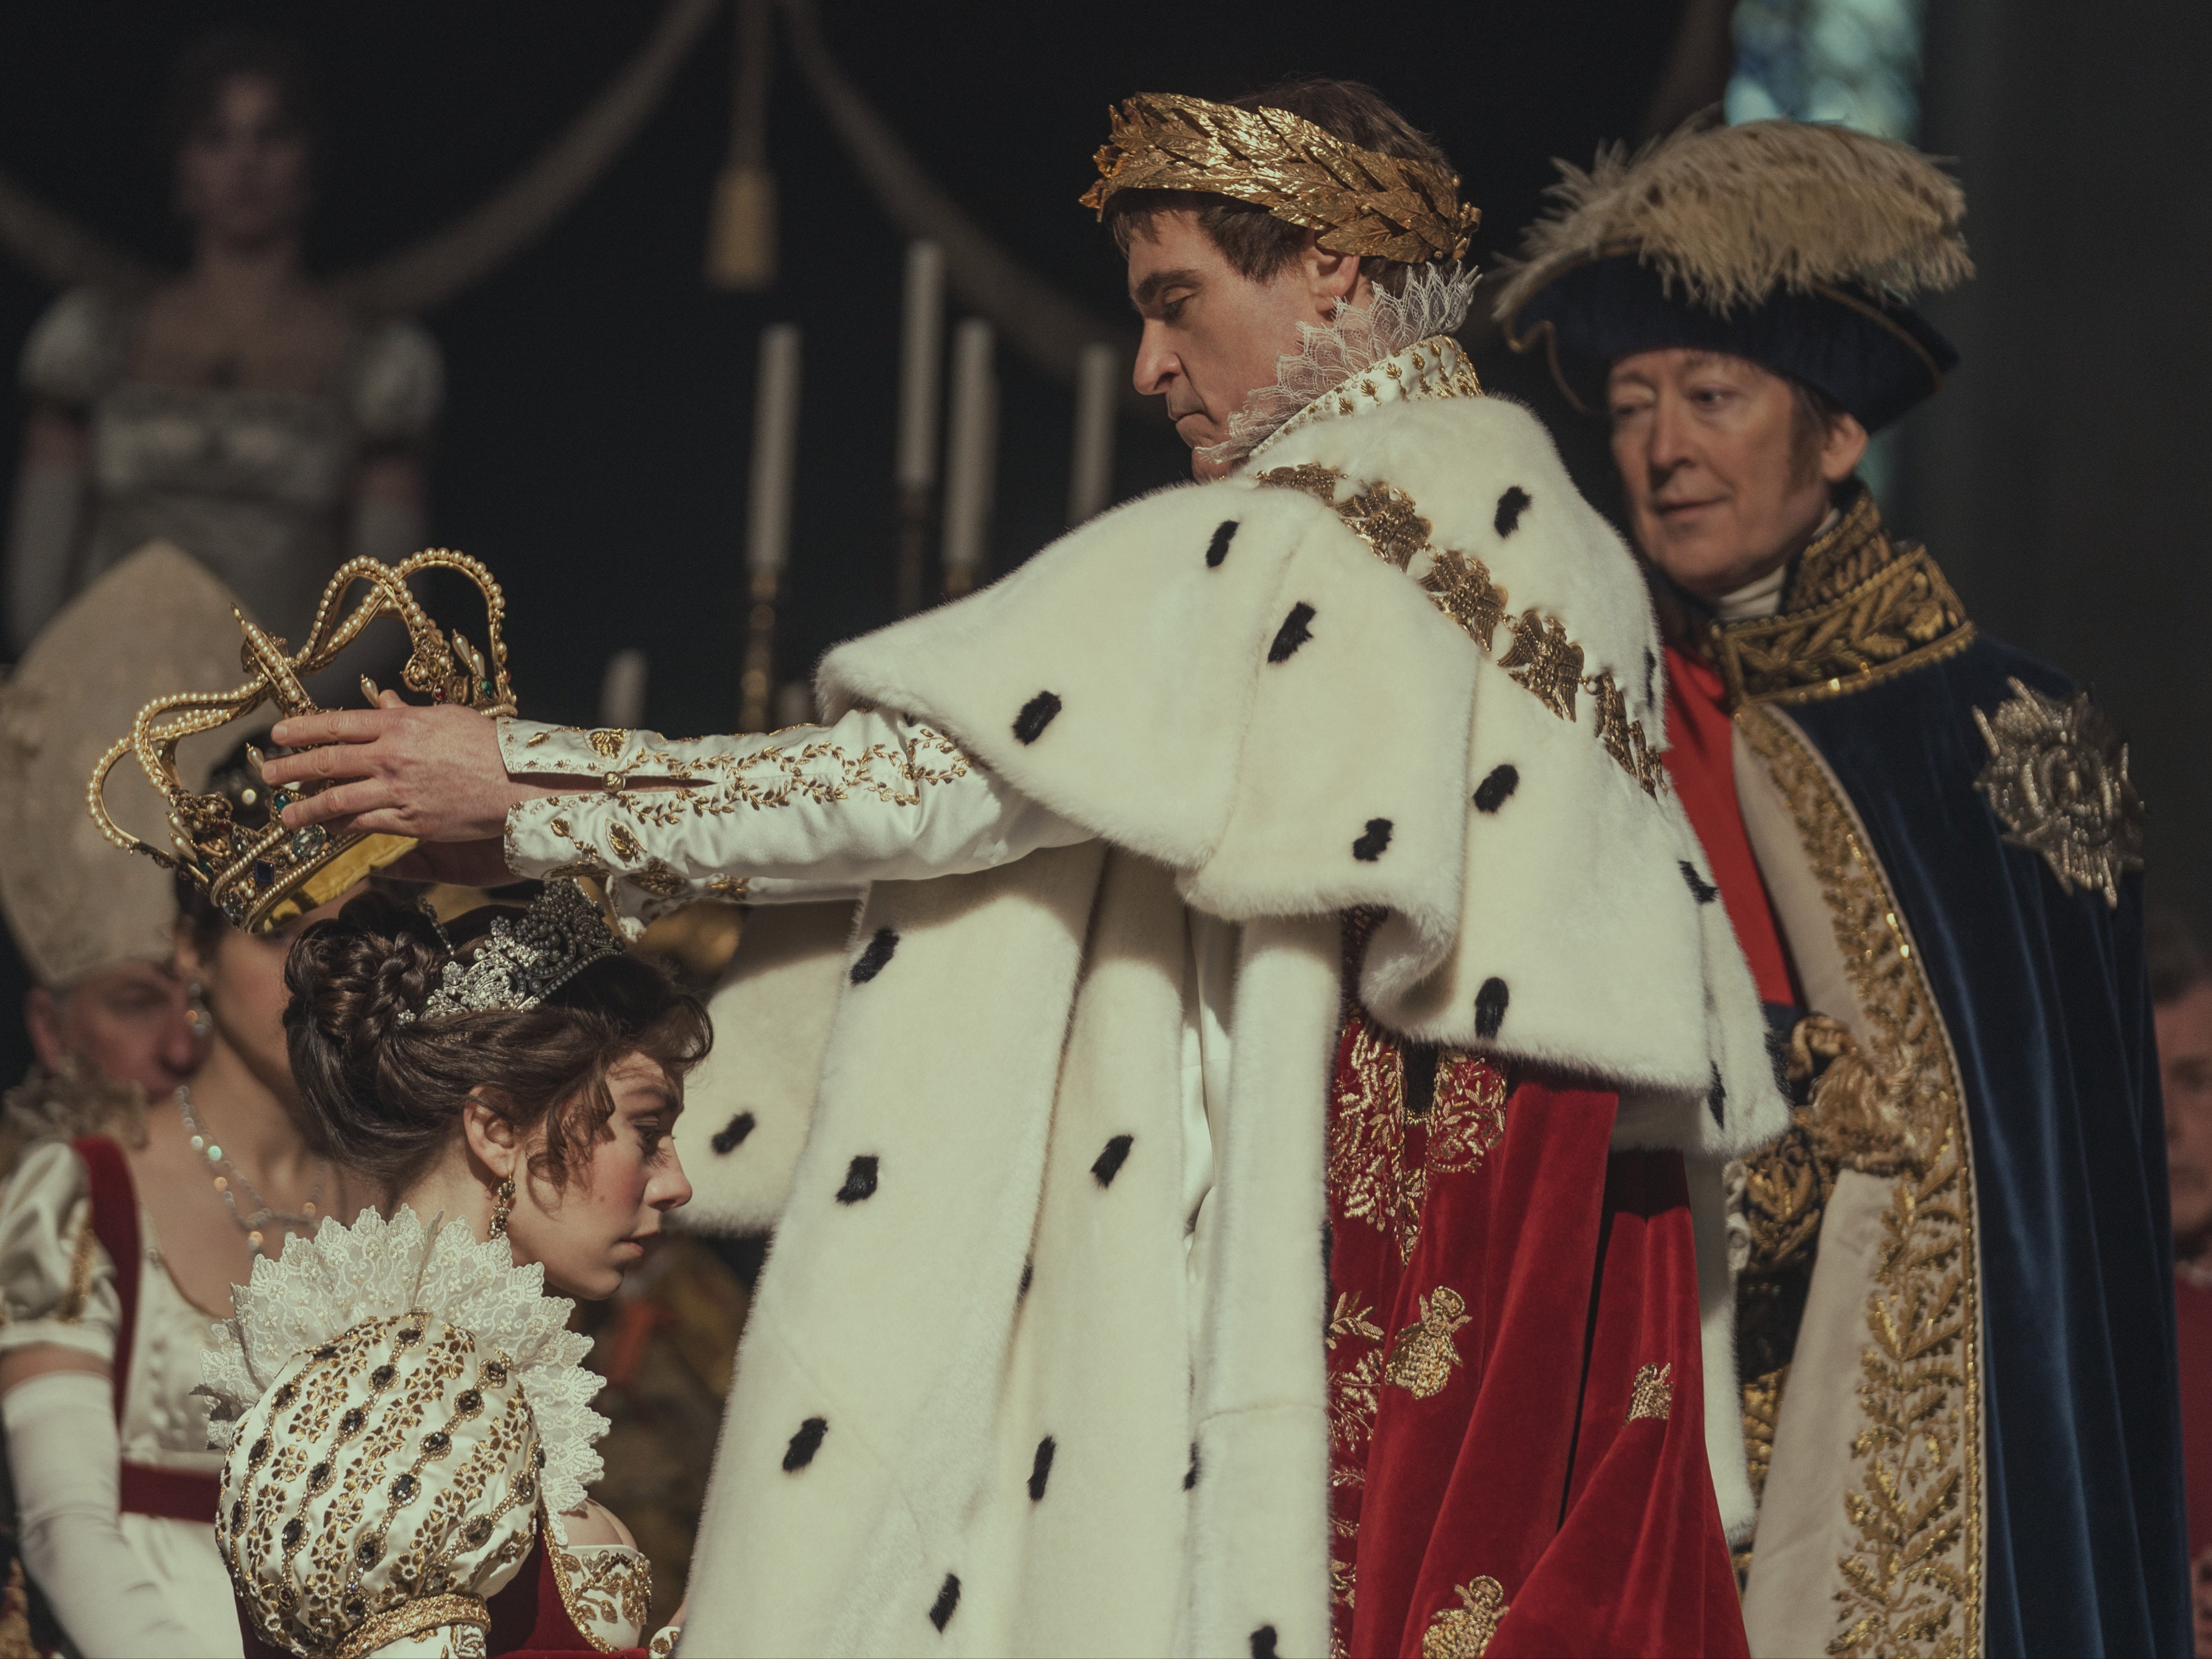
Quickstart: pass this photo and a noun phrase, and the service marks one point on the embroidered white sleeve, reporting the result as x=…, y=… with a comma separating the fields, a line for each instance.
x=782, y=816
x=56, y=1283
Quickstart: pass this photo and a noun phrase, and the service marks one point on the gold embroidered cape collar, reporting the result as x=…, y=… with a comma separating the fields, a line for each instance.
x=1859, y=610
x=1429, y=368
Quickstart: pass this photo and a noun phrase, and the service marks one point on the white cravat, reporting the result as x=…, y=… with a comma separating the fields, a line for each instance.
x=1760, y=598
x=1763, y=597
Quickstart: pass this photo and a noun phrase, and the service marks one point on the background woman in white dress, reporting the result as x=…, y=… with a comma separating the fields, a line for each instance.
x=240, y=411
x=117, y=1254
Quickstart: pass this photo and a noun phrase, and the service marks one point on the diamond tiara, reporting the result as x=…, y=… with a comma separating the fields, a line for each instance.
x=525, y=957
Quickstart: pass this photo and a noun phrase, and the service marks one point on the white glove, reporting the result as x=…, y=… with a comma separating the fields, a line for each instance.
x=65, y=1458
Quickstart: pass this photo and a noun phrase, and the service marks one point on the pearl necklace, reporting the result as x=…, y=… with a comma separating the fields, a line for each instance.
x=252, y=1226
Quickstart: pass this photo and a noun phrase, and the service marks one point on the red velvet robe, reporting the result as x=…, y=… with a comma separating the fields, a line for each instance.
x=1517, y=1440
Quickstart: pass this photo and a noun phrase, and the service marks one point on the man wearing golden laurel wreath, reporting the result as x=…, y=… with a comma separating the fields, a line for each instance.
x=1261, y=1194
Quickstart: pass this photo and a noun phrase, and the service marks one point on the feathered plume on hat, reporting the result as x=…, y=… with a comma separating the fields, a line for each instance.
x=1797, y=244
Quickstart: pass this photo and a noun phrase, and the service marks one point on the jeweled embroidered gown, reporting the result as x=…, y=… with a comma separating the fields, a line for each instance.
x=410, y=1422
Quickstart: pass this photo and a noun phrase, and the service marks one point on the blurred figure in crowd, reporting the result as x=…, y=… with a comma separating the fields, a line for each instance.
x=153, y=1154
x=2181, y=993
x=1957, y=1276
x=97, y=933
x=239, y=411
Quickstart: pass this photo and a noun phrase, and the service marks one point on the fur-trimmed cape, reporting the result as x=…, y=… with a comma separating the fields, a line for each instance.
x=975, y=1409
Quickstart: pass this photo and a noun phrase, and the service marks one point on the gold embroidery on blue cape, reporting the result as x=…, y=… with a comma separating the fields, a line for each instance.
x=1862, y=609
x=1912, y=1582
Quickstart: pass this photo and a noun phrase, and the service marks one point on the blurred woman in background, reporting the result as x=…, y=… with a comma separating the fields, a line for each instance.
x=239, y=411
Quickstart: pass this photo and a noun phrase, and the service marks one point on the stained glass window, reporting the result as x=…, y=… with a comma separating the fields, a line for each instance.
x=1855, y=62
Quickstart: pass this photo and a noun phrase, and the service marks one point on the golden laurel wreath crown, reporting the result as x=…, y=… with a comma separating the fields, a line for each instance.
x=1361, y=201
x=261, y=877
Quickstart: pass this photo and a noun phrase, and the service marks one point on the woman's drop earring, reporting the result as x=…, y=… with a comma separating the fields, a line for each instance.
x=196, y=1010
x=502, y=1201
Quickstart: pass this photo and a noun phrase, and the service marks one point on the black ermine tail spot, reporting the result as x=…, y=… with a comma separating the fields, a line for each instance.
x=1263, y=1643
x=1490, y=1007
x=1041, y=1470
x=877, y=956
x=859, y=1180
x=1651, y=678
x=732, y=1135
x=948, y=1598
x=1700, y=889
x=1217, y=548
x=1037, y=714
x=1294, y=633
x=805, y=1443
x=1510, y=506
x=1368, y=847
x=1110, y=1160
x=1029, y=1272
x=1190, y=1474
x=1716, y=1099
x=1493, y=791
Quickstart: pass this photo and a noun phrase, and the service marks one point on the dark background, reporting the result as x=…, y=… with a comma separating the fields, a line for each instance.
x=594, y=442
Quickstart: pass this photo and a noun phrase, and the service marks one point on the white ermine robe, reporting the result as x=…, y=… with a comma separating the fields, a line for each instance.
x=1036, y=1363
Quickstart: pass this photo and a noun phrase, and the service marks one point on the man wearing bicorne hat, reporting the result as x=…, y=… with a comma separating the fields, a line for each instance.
x=1263, y=1190
x=1957, y=1327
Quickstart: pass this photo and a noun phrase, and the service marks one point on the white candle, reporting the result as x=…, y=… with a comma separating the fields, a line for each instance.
x=922, y=344
x=971, y=452
x=622, y=693
x=1091, y=475
x=775, y=450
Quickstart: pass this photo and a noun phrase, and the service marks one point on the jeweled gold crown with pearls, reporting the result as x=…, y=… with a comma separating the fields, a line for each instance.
x=261, y=877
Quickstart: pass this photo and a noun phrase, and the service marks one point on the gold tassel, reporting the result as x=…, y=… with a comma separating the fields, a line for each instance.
x=741, y=233
x=741, y=227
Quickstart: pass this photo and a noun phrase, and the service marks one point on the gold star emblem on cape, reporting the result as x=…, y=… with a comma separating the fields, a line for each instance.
x=1545, y=661
x=2057, y=780
x=1462, y=590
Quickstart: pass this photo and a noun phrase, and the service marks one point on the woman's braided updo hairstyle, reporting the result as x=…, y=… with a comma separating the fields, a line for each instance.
x=387, y=1091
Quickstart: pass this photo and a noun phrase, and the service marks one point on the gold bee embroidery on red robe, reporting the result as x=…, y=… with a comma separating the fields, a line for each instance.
x=1464, y=1631
x=1422, y=1357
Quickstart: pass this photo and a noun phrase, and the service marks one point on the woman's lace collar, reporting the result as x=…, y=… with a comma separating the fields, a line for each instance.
x=323, y=1286
x=1396, y=348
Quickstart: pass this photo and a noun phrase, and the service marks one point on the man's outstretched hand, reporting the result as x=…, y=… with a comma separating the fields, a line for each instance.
x=433, y=773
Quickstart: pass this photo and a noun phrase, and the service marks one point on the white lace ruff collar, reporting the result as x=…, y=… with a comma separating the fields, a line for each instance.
x=323, y=1286
x=1396, y=347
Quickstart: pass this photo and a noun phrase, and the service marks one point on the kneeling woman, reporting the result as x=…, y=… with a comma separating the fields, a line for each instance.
x=409, y=1438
